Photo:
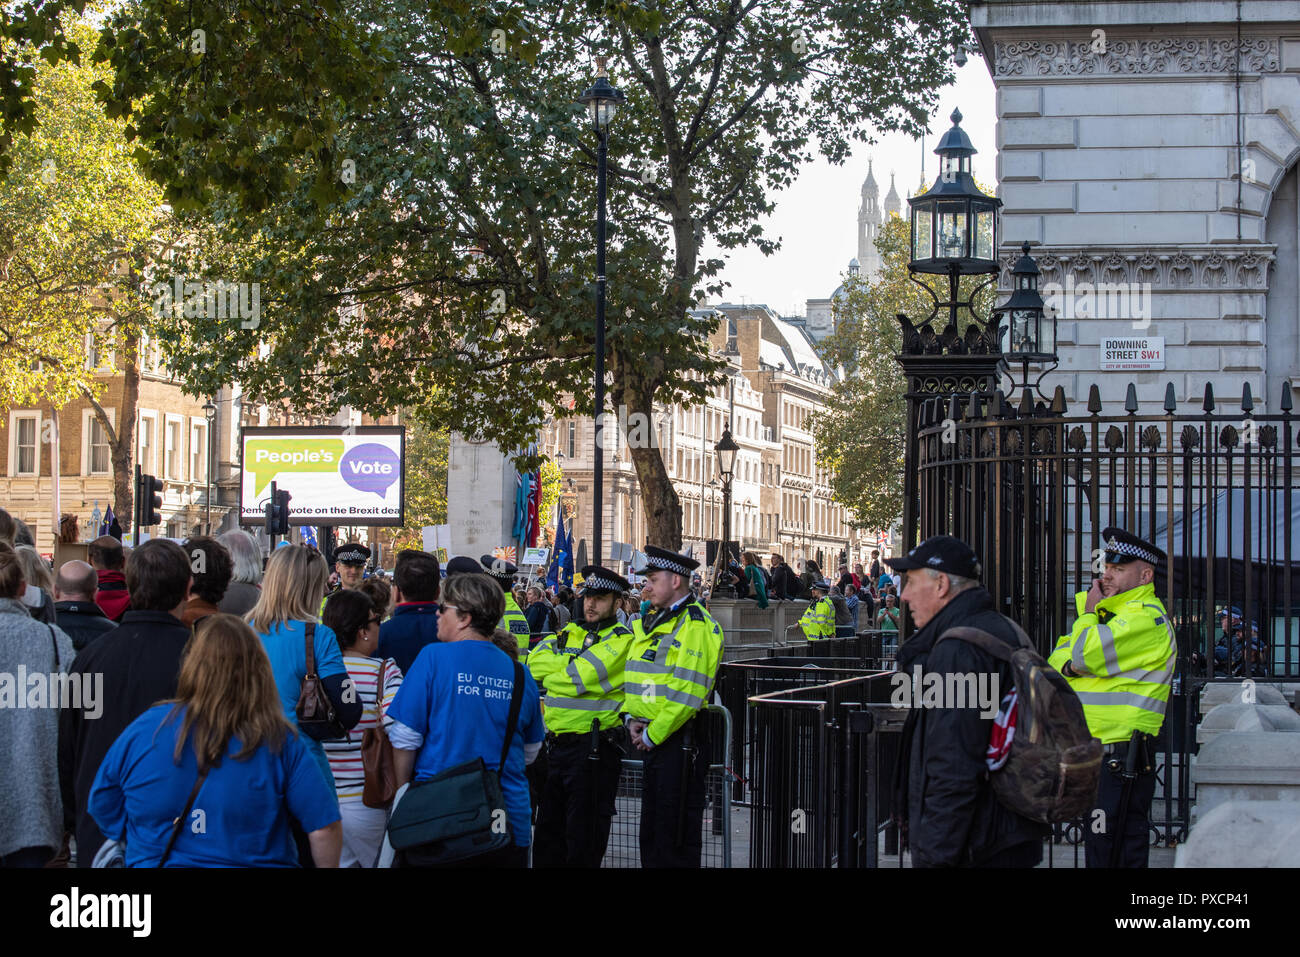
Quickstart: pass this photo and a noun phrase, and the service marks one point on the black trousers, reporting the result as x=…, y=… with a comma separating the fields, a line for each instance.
x=670, y=833
x=1135, y=840
x=577, y=803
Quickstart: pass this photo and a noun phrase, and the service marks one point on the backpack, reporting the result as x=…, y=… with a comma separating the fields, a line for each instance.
x=1052, y=763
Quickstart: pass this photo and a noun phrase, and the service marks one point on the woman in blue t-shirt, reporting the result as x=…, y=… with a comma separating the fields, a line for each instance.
x=454, y=703
x=292, y=591
x=226, y=721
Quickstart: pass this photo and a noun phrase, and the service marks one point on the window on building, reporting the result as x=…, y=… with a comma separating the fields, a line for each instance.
x=99, y=453
x=199, y=452
x=172, y=452
x=23, y=455
x=146, y=455
x=573, y=438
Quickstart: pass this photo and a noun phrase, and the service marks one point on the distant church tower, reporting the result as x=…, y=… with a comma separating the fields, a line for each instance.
x=893, y=205
x=869, y=220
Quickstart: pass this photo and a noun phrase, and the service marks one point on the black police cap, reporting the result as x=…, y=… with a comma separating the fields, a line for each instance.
x=353, y=553
x=943, y=553
x=1123, y=547
x=597, y=580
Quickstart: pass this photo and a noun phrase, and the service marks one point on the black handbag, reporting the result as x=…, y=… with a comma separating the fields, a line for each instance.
x=459, y=813
x=315, y=711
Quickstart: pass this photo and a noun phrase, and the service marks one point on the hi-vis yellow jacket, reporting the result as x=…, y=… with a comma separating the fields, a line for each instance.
x=582, y=674
x=818, y=620
x=671, y=668
x=516, y=623
x=1126, y=651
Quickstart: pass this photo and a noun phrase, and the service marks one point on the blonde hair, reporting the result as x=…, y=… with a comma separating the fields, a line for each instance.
x=292, y=588
x=227, y=690
x=35, y=571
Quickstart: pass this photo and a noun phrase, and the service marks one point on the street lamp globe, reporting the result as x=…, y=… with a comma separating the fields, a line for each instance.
x=210, y=410
x=726, y=449
x=954, y=223
x=601, y=99
x=1030, y=332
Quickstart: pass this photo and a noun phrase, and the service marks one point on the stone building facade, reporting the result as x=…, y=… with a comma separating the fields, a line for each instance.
x=1148, y=150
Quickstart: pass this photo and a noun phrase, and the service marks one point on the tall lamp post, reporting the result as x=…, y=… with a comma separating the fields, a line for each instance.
x=726, y=450
x=602, y=102
x=210, y=413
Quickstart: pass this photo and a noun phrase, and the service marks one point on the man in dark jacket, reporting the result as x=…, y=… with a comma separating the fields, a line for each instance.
x=139, y=661
x=105, y=554
x=416, y=582
x=943, y=797
x=74, y=603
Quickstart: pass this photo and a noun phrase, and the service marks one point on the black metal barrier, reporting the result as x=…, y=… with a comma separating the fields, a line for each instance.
x=821, y=772
x=738, y=681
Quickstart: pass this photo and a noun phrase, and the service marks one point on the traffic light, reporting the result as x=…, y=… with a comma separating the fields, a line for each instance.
x=282, y=512
x=277, y=511
x=150, y=492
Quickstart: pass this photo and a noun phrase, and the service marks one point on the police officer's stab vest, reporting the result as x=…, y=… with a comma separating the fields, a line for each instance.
x=1126, y=651
x=671, y=668
x=818, y=620
x=581, y=671
x=516, y=623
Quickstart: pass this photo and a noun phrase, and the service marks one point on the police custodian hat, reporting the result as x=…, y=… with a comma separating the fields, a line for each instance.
x=599, y=581
x=499, y=568
x=1123, y=547
x=662, y=560
x=461, y=565
x=352, y=553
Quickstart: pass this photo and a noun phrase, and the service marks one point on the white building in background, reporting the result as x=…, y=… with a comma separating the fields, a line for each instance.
x=1143, y=147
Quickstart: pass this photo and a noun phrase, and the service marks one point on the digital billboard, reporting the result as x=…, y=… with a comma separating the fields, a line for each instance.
x=334, y=475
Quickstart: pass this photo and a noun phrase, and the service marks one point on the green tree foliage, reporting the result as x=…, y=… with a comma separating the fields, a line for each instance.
x=349, y=158
x=425, y=482
x=861, y=435
x=79, y=225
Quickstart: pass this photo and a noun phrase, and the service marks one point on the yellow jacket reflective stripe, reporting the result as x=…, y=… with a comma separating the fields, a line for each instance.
x=581, y=684
x=818, y=620
x=671, y=669
x=515, y=622
x=1125, y=652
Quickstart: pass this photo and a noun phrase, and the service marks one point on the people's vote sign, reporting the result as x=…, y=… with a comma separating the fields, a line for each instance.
x=335, y=476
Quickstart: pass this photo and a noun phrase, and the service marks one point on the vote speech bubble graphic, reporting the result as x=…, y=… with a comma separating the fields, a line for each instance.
x=266, y=458
x=370, y=468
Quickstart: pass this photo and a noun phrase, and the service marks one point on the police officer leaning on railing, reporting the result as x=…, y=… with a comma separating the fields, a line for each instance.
x=1119, y=658
x=581, y=672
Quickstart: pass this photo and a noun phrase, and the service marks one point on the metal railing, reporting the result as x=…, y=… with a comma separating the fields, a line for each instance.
x=624, y=849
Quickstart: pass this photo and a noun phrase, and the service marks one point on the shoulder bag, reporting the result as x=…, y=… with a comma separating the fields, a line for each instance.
x=377, y=754
x=315, y=711
x=459, y=813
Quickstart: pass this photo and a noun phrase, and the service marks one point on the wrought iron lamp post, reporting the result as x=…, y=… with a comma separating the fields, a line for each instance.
x=602, y=102
x=726, y=450
x=1029, y=336
x=210, y=412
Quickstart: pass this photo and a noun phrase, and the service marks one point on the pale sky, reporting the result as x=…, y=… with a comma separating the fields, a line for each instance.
x=817, y=217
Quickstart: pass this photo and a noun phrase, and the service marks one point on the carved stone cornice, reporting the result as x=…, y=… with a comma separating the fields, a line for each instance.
x=1172, y=268
x=1135, y=56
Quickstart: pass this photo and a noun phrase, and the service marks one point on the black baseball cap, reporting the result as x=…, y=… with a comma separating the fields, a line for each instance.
x=943, y=553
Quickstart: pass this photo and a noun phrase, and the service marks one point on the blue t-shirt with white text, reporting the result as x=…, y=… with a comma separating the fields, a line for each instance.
x=457, y=695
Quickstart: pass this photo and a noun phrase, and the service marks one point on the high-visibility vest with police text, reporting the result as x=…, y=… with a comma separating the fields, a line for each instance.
x=671, y=668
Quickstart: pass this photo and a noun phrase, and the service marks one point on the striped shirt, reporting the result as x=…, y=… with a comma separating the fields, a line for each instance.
x=345, y=756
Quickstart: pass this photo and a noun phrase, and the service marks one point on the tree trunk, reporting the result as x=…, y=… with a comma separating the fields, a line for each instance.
x=121, y=439
x=663, y=510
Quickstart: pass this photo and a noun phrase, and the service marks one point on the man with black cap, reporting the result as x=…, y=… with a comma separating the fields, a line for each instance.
x=514, y=620
x=1119, y=658
x=580, y=671
x=671, y=668
x=947, y=809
